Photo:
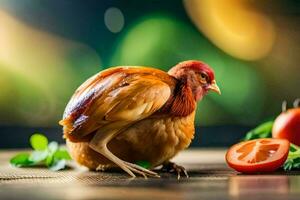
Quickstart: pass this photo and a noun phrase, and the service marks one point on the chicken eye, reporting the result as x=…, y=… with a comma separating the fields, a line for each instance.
x=203, y=78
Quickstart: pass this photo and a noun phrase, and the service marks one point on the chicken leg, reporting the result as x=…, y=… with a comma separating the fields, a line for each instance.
x=99, y=143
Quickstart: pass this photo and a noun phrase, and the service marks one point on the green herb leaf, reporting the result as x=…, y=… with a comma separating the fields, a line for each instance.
x=62, y=154
x=49, y=160
x=293, y=147
x=58, y=165
x=293, y=160
x=262, y=131
x=144, y=163
x=288, y=165
x=50, y=155
x=38, y=156
x=21, y=160
x=52, y=147
x=38, y=142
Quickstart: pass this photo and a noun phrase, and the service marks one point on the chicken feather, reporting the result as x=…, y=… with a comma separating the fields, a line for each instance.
x=124, y=95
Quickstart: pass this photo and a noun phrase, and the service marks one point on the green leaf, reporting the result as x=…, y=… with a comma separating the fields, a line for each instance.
x=288, y=166
x=62, y=154
x=50, y=155
x=58, y=165
x=293, y=147
x=262, y=131
x=21, y=160
x=144, y=163
x=38, y=156
x=52, y=147
x=38, y=142
x=293, y=160
x=264, y=127
x=49, y=160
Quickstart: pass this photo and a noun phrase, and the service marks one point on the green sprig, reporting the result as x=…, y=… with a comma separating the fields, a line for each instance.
x=293, y=160
x=44, y=154
x=262, y=131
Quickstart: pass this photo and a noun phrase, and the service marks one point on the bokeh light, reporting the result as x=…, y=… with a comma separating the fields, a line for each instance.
x=235, y=26
x=114, y=19
x=39, y=70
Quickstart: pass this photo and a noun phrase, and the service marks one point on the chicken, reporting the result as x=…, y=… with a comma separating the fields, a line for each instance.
x=127, y=114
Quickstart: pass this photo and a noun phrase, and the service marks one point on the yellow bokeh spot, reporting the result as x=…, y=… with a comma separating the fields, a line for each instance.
x=42, y=70
x=234, y=26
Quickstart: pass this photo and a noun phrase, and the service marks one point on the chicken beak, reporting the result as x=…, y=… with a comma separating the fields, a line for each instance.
x=214, y=87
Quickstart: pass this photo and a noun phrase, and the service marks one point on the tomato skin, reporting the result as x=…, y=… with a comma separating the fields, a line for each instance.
x=258, y=167
x=271, y=167
x=287, y=126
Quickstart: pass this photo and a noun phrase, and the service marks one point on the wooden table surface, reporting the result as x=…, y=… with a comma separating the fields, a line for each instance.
x=210, y=178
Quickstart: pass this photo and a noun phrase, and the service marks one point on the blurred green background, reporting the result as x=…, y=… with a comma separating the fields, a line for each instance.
x=48, y=48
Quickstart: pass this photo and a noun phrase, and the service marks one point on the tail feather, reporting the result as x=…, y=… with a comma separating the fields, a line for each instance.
x=68, y=129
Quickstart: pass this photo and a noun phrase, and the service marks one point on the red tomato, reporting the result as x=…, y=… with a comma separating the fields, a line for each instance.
x=260, y=155
x=287, y=126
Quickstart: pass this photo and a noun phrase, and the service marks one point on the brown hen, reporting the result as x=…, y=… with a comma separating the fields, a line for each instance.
x=128, y=114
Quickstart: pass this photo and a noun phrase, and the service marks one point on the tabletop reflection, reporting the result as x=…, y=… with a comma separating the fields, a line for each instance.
x=258, y=184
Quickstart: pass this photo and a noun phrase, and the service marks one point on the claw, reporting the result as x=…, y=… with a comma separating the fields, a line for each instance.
x=172, y=167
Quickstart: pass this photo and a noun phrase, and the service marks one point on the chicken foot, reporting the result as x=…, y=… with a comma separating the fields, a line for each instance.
x=99, y=144
x=174, y=168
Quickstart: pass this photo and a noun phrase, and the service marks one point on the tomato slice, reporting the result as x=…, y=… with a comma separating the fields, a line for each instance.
x=260, y=155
